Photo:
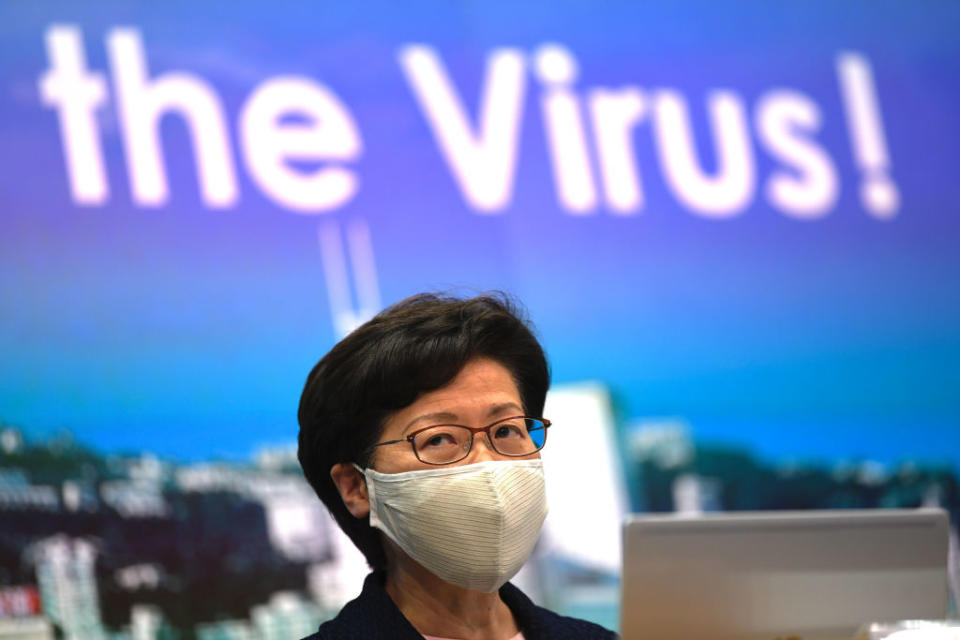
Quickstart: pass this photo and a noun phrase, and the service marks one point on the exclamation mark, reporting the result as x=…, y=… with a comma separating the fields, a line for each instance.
x=878, y=192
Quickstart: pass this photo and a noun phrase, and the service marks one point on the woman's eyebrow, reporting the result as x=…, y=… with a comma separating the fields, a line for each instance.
x=440, y=416
x=504, y=406
x=446, y=416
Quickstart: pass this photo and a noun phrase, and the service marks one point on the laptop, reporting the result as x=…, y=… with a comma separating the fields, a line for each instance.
x=815, y=575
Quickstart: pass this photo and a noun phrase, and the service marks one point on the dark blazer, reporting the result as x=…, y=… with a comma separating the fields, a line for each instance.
x=373, y=615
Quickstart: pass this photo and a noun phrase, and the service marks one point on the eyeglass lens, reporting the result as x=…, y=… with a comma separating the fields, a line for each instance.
x=449, y=443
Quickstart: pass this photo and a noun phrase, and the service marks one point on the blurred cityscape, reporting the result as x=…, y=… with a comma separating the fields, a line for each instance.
x=669, y=471
x=134, y=547
x=129, y=546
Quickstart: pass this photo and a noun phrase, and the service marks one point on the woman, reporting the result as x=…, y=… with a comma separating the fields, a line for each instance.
x=421, y=433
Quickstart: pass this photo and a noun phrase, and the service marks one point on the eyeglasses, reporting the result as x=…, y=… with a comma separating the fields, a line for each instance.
x=448, y=443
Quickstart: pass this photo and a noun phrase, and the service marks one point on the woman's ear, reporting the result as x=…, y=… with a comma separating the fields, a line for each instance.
x=352, y=487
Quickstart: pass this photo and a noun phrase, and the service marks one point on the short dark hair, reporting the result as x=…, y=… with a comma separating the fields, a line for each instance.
x=417, y=345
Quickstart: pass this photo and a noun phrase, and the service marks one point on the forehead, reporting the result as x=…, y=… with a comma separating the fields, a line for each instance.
x=482, y=388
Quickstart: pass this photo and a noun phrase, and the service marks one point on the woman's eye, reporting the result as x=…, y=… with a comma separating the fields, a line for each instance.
x=438, y=440
x=508, y=431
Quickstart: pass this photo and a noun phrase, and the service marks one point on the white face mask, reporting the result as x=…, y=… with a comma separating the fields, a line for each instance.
x=473, y=525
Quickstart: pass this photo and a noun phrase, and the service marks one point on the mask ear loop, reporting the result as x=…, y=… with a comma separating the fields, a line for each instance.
x=363, y=473
x=367, y=483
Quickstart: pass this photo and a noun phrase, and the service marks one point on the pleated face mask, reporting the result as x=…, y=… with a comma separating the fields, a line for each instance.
x=473, y=525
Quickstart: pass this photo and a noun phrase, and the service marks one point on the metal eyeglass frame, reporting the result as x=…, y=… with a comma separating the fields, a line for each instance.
x=473, y=433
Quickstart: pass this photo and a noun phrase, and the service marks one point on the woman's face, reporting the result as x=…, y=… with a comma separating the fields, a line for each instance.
x=483, y=392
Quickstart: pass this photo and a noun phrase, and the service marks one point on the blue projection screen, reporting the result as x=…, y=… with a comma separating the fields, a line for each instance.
x=741, y=217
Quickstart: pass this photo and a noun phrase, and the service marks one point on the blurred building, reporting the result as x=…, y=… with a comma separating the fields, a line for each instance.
x=225, y=630
x=665, y=442
x=68, y=586
x=135, y=498
x=32, y=628
x=286, y=616
x=16, y=492
x=297, y=523
x=694, y=494
x=20, y=617
x=11, y=440
x=147, y=623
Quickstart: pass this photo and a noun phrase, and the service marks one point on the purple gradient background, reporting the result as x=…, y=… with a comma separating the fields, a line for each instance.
x=189, y=331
